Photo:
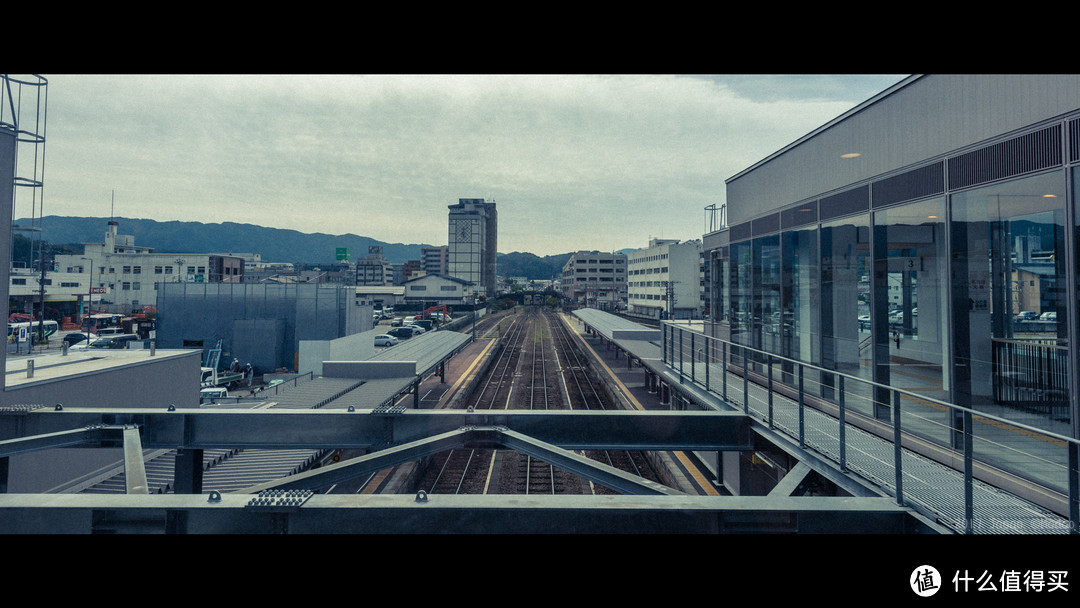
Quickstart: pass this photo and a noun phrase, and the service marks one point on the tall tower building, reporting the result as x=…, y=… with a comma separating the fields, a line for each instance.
x=472, y=243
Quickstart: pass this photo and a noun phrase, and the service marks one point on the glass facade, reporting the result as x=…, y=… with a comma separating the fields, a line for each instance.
x=958, y=296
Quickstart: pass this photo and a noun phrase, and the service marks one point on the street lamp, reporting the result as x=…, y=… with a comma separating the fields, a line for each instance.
x=89, y=298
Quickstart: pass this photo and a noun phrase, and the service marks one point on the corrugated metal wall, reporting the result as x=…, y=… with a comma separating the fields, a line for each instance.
x=207, y=312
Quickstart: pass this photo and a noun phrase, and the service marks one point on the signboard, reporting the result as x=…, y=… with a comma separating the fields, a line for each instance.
x=342, y=253
x=97, y=290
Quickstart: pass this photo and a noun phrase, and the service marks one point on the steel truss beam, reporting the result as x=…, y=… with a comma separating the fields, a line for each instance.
x=401, y=435
x=479, y=438
x=97, y=435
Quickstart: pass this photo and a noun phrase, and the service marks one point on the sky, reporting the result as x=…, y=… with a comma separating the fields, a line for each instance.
x=572, y=162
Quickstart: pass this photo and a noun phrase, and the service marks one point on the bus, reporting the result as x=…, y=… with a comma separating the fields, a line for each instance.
x=100, y=320
x=31, y=327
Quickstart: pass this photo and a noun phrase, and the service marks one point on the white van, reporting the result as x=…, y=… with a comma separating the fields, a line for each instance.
x=214, y=392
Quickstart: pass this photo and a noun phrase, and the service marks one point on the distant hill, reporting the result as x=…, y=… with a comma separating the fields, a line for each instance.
x=534, y=267
x=273, y=244
x=531, y=266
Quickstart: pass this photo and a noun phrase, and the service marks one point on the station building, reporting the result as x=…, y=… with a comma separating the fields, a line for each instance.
x=926, y=240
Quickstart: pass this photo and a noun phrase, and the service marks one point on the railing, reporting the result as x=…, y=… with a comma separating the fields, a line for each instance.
x=1023, y=460
x=1034, y=375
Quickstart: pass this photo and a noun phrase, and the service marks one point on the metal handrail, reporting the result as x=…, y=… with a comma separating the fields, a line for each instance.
x=1072, y=467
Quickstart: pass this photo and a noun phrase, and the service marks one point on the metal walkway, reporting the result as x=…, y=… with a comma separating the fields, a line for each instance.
x=928, y=486
x=931, y=488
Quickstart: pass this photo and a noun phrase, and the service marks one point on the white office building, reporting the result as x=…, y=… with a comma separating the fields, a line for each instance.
x=126, y=276
x=665, y=280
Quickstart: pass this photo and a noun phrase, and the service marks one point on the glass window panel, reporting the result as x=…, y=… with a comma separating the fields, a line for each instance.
x=910, y=286
x=741, y=292
x=765, y=318
x=800, y=288
x=1010, y=312
x=845, y=299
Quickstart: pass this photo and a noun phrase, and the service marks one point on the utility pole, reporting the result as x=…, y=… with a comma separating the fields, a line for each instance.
x=41, y=319
x=89, y=299
x=670, y=297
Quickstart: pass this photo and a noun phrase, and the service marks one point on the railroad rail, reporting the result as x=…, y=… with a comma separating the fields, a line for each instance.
x=538, y=366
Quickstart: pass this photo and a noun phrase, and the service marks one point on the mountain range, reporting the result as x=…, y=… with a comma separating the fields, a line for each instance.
x=272, y=244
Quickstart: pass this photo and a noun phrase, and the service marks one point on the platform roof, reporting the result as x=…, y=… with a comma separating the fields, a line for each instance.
x=428, y=349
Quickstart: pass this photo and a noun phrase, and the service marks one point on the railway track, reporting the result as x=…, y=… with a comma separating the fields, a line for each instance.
x=537, y=366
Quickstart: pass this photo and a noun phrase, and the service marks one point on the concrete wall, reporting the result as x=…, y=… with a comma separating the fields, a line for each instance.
x=356, y=347
x=369, y=370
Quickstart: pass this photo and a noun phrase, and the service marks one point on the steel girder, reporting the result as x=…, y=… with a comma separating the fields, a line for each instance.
x=300, y=513
x=368, y=429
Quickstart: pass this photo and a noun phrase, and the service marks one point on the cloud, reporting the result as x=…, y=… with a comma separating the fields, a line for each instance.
x=573, y=162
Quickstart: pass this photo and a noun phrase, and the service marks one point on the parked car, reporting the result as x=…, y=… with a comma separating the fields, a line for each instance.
x=385, y=340
x=119, y=341
x=72, y=339
x=397, y=322
x=416, y=329
x=1048, y=316
x=401, y=333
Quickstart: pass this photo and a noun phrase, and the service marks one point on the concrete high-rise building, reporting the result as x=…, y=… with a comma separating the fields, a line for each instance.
x=434, y=260
x=472, y=244
x=596, y=279
x=374, y=269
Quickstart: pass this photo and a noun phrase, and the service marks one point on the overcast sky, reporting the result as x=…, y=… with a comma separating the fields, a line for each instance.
x=572, y=161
